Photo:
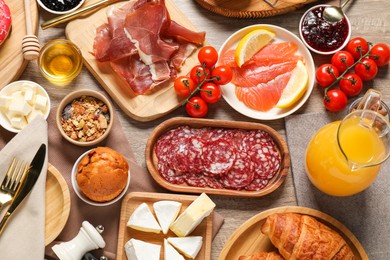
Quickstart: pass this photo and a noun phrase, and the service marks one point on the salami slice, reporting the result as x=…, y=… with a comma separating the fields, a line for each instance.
x=240, y=175
x=168, y=174
x=5, y=21
x=200, y=180
x=256, y=185
x=266, y=160
x=217, y=157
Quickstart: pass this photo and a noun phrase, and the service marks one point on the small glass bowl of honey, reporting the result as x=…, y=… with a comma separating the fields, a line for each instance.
x=60, y=61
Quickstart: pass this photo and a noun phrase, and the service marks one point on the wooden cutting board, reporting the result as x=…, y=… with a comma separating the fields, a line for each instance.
x=141, y=107
x=12, y=63
x=252, y=8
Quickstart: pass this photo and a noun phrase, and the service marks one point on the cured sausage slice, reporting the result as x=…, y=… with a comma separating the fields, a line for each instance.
x=240, y=175
x=218, y=157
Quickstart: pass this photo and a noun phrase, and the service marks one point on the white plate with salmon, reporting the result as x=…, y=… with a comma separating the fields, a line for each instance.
x=275, y=82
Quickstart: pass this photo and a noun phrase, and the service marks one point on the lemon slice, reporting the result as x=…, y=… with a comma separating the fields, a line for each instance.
x=251, y=44
x=296, y=86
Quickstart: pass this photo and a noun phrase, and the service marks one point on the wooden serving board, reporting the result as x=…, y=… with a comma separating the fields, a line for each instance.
x=134, y=199
x=248, y=239
x=152, y=161
x=12, y=63
x=252, y=8
x=141, y=107
x=57, y=204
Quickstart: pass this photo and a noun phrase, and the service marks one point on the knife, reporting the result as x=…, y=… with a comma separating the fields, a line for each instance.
x=27, y=184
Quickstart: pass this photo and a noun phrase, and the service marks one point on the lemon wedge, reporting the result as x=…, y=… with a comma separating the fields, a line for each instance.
x=296, y=86
x=251, y=44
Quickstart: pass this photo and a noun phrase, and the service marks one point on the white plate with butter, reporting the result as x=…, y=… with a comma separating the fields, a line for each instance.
x=20, y=102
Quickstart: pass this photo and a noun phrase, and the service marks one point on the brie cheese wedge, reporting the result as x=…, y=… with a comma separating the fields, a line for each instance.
x=142, y=219
x=170, y=253
x=166, y=212
x=140, y=250
x=189, y=246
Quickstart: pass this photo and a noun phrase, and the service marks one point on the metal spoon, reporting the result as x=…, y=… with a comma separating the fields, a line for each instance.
x=334, y=14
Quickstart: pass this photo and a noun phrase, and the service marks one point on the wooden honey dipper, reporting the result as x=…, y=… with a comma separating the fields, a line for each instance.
x=30, y=43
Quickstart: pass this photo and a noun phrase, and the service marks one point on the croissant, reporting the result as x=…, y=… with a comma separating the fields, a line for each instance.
x=302, y=237
x=262, y=256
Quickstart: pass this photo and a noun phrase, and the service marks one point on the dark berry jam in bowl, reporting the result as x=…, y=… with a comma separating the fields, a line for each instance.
x=321, y=36
x=60, y=6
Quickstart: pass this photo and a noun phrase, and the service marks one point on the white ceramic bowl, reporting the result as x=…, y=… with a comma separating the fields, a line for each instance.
x=228, y=90
x=59, y=12
x=85, y=198
x=318, y=51
x=16, y=86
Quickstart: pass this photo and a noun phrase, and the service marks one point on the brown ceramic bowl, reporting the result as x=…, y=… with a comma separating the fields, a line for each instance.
x=85, y=138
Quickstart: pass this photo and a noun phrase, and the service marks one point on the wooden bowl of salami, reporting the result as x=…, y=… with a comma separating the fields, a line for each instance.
x=229, y=158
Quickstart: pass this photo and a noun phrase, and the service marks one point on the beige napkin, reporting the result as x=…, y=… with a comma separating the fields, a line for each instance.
x=24, y=236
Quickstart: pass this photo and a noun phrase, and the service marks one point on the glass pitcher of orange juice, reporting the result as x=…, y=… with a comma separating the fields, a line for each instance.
x=344, y=157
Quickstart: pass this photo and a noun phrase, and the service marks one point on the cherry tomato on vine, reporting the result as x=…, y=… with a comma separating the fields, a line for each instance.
x=335, y=100
x=196, y=107
x=210, y=92
x=351, y=84
x=184, y=86
x=357, y=47
x=380, y=53
x=222, y=75
x=366, y=69
x=198, y=74
x=326, y=74
x=342, y=60
x=208, y=56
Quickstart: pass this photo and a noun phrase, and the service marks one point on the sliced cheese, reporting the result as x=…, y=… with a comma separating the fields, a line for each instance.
x=189, y=246
x=143, y=219
x=193, y=215
x=140, y=250
x=166, y=212
x=170, y=252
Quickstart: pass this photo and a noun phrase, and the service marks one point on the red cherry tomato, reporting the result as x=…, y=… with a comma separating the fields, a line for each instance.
x=326, y=74
x=208, y=56
x=184, y=86
x=366, y=69
x=196, y=107
x=222, y=75
x=198, y=74
x=210, y=92
x=335, y=100
x=357, y=47
x=351, y=85
x=342, y=60
x=380, y=53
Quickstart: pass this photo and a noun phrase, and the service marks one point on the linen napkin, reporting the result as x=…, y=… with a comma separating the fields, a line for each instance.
x=366, y=214
x=26, y=227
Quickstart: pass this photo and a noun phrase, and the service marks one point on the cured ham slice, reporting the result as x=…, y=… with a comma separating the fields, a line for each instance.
x=5, y=21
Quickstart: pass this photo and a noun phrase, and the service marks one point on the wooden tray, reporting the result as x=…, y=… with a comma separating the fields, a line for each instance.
x=57, y=204
x=251, y=8
x=12, y=63
x=151, y=158
x=141, y=107
x=134, y=199
x=248, y=239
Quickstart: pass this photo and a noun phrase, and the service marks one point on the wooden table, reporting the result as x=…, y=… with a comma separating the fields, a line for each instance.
x=369, y=18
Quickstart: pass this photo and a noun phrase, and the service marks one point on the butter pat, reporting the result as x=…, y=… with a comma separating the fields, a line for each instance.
x=189, y=246
x=18, y=122
x=29, y=96
x=166, y=212
x=40, y=102
x=34, y=113
x=5, y=101
x=140, y=250
x=193, y=215
x=170, y=252
x=142, y=219
x=19, y=107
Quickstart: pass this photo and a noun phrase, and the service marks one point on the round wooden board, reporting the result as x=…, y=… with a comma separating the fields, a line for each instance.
x=248, y=239
x=251, y=8
x=57, y=204
x=12, y=63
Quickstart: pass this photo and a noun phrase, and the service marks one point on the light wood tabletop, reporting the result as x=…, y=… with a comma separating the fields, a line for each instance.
x=369, y=19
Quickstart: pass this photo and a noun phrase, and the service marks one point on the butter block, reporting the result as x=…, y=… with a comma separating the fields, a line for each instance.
x=29, y=96
x=34, y=113
x=188, y=246
x=166, y=212
x=193, y=215
x=139, y=250
x=142, y=219
x=5, y=101
x=170, y=252
x=18, y=122
x=40, y=102
x=28, y=86
x=19, y=107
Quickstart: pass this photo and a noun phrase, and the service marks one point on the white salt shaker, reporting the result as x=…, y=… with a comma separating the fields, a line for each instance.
x=87, y=239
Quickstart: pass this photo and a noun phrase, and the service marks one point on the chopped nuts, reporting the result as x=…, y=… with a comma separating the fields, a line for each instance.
x=85, y=119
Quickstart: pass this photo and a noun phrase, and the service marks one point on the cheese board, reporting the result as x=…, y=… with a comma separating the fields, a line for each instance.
x=139, y=107
x=12, y=63
x=248, y=239
x=134, y=199
x=252, y=8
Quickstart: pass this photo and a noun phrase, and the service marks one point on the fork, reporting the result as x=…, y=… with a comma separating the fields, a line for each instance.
x=15, y=173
